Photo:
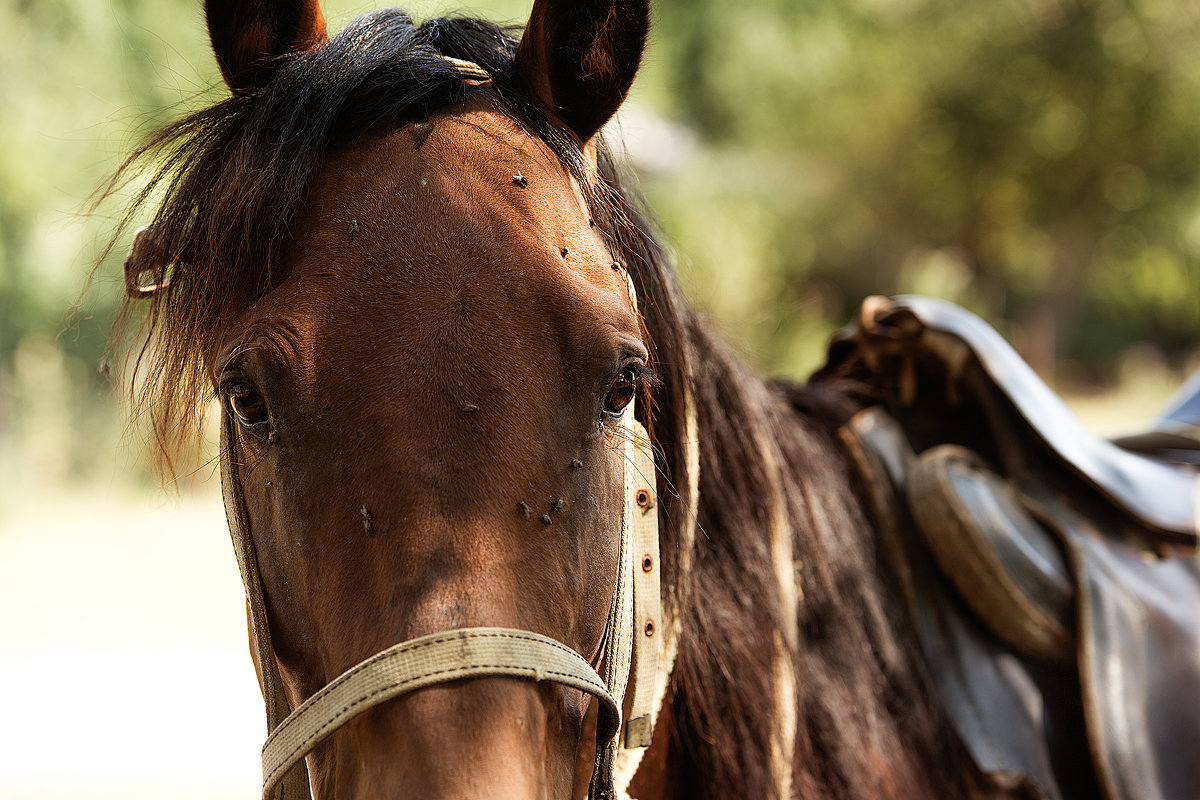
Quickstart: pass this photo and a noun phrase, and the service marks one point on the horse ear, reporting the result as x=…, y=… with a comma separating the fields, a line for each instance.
x=580, y=56
x=247, y=33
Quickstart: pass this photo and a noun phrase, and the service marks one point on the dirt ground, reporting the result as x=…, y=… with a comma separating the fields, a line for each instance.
x=123, y=651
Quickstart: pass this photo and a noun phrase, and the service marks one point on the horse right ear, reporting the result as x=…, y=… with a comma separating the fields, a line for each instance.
x=246, y=34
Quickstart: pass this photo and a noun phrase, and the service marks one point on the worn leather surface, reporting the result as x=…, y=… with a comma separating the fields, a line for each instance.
x=996, y=705
x=1139, y=658
x=997, y=533
x=1004, y=564
x=899, y=339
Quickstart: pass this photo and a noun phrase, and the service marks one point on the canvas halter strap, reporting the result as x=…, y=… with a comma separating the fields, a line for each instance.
x=632, y=641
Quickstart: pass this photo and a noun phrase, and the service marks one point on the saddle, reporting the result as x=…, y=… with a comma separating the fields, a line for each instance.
x=1052, y=576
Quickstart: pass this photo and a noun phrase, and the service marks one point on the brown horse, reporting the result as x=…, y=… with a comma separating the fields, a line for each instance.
x=399, y=257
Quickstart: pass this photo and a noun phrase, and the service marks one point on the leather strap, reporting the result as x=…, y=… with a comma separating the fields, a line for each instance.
x=641, y=513
x=429, y=660
x=618, y=633
x=295, y=785
x=468, y=69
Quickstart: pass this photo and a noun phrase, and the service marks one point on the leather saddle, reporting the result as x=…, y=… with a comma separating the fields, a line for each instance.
x=1051, y=575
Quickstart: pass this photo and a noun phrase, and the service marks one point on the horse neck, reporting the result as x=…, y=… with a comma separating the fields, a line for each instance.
x=792, y=642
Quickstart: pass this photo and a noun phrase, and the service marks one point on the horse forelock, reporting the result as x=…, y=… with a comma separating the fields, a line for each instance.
x=227, y=182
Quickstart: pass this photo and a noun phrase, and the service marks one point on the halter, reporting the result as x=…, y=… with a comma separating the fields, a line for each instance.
x=632, y=641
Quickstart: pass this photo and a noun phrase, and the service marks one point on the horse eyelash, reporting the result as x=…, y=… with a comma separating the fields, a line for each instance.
x=644, y=375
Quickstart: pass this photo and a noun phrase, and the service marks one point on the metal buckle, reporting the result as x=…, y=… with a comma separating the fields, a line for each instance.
x=145, y=256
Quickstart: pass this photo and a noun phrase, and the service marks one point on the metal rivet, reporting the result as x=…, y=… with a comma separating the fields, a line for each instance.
x=649, y=629
x=520, y=180
x=354, y=226
x=524, y=508
x=644, y=500
x=647, y=563
x=546, y=519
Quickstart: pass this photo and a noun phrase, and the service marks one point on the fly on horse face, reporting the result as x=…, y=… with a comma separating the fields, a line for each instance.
x=515, y=524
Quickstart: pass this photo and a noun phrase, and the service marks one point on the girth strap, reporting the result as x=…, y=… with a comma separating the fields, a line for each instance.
x=418, y=663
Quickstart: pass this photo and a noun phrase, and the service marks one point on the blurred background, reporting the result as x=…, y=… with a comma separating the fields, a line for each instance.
x=1035, y=160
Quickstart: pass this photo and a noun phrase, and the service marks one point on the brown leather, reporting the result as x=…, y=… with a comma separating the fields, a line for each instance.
x=907, y=341
x=1139, y=658
x=1007, y=568
x=1004, y=544
x=994, y=702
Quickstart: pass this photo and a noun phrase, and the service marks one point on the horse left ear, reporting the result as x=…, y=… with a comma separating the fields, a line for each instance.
x=580, y=56
x=246, y=33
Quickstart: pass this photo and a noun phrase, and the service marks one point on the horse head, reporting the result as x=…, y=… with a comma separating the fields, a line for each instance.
x=427, y=350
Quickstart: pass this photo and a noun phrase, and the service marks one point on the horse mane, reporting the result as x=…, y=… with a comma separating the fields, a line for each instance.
x=866, y=719
x=229, y=183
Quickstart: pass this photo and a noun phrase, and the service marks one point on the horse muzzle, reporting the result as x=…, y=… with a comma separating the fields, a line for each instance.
x=632, y=645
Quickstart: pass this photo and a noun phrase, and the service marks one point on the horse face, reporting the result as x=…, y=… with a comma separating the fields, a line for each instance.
x=428, y=413
x=426, y=409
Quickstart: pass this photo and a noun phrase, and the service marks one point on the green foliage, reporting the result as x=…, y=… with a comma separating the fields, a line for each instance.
x=1036, y=160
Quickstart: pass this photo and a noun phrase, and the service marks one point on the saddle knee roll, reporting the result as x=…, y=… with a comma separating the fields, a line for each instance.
x=1008, y=569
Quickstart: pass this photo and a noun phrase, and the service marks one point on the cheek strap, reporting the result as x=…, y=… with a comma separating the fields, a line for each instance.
x=632, y=651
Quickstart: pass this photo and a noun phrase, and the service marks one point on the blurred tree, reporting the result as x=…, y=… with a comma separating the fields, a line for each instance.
x=1037, y=160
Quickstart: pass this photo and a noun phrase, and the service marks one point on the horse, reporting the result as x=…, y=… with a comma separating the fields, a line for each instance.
x=440, y=325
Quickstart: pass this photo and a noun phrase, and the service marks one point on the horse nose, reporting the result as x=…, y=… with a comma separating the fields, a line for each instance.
x=469, y=740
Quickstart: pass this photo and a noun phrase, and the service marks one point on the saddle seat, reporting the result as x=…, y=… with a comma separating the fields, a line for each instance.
x=897, y=337
x=1051, y=576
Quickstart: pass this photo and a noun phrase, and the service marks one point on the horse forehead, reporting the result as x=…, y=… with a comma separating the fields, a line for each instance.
x=476, y=161
x=465, y=199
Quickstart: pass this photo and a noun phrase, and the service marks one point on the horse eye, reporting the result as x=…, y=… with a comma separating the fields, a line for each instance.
x=621, y=393
x=247, y=404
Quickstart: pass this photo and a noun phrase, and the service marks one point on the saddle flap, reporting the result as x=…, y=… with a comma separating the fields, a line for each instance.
x=1139, y=659
x=994, y=702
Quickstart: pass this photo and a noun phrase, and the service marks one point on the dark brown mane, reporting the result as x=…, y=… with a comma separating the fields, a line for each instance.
x=231, y=179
